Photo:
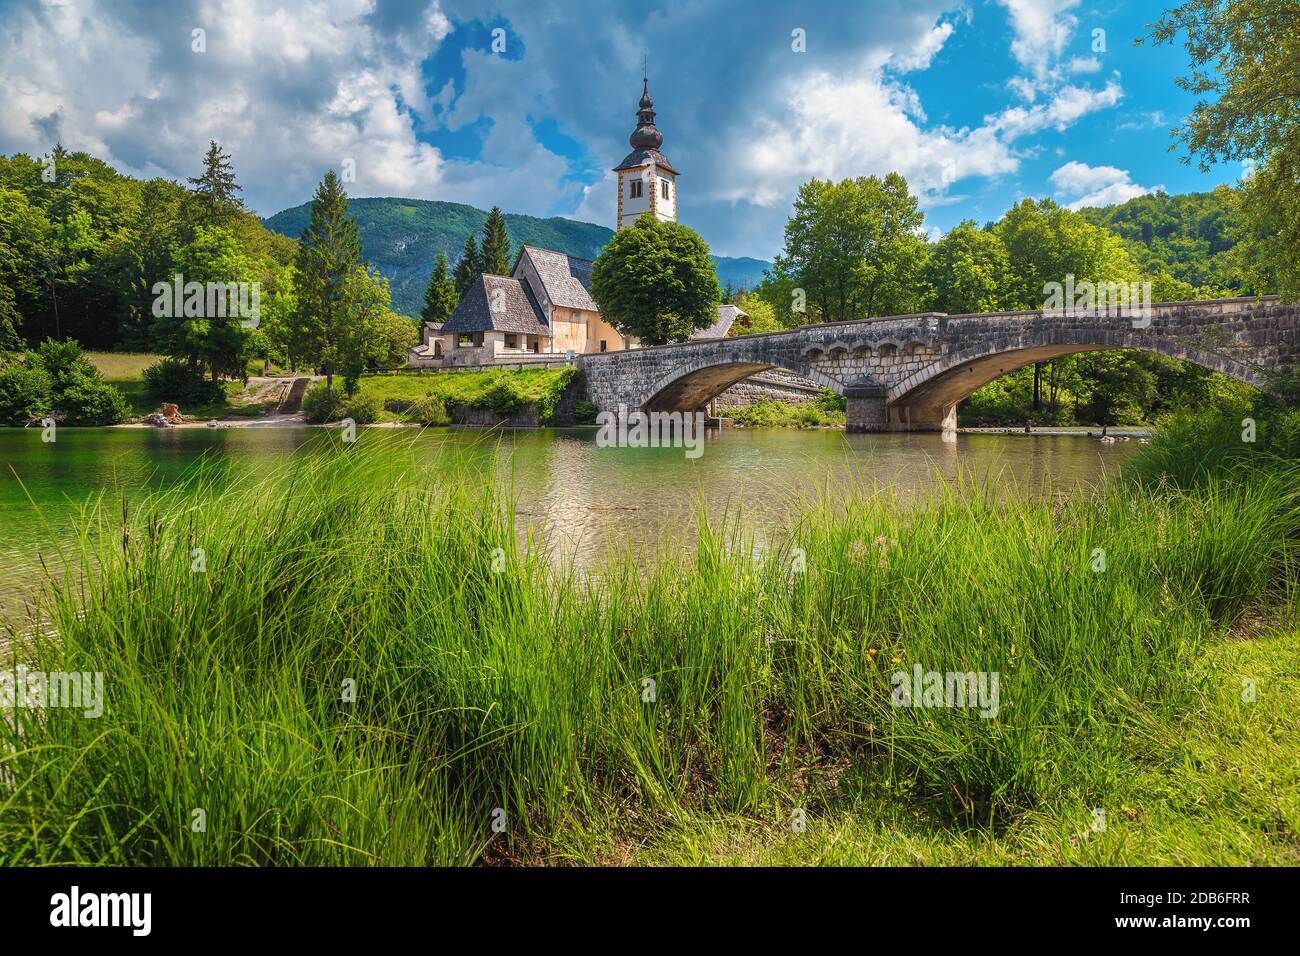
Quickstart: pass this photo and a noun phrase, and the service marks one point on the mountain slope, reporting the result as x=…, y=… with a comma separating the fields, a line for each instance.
x=403, y=237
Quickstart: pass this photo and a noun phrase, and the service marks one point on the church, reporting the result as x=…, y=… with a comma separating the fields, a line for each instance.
x=544, y=307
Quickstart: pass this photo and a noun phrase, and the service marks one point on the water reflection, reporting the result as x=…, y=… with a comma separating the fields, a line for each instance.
x=584, y=498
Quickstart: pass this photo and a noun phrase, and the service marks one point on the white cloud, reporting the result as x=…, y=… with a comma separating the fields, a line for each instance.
x=599, y=201
x=1043, y=29
x=1096, y=185
x=1067, y=106
x=921, y=55
x=294, y=90
x=289, y=92
x=1147, y=120
x=837, y=127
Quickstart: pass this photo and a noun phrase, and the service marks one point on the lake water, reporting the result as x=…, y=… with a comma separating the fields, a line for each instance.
x=586, y=499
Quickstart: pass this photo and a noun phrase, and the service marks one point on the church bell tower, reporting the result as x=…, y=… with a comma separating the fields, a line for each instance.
x=647, y=181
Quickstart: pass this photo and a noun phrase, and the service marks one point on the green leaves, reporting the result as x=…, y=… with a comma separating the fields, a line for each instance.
x=969, y=271
x=441, y=296
x=468, y=269
x=1245, y=64
x=855, y=247
x=1046, y=242
x=340, y=301
x=496, y=244
x=656, y=281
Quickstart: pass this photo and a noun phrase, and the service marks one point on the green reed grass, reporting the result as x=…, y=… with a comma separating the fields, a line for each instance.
x=487, y=678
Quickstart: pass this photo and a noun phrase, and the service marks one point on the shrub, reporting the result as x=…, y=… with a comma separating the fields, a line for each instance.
x=171, y=380
x=320, y=406
x=584, y=413
x=363, y=408
x=430, y=411
x=65, y=361
x=91, y=401
x=26, y=390
x=503, y=398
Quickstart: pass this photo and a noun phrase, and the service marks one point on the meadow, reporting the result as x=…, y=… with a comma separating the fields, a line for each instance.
x=341, y=663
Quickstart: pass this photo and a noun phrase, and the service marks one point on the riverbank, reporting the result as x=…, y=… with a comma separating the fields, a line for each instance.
x=382, y=670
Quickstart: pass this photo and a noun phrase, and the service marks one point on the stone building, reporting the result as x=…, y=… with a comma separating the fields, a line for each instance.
x=543, y=310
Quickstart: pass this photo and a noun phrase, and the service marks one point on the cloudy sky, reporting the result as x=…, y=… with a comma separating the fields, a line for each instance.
x=977, y=103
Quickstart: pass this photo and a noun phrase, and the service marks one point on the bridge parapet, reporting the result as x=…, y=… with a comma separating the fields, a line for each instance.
x=909, y=372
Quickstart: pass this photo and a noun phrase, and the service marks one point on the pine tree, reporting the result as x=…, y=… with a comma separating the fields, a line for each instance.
x=440, y=297
x=496, y=245
x=328, y=255
x=468, y=269
x=216, y=188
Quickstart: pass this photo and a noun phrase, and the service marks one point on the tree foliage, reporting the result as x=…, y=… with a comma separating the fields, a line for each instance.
x=495, y=254
x=215, y=187
x=1245, y=71
x=854, y=248
x=57, y=380
x=468, y=269
x=759, y=315
x=656, y=281
x=333, y=305
x=440, y=297
x=969, y=271
x=81, y=248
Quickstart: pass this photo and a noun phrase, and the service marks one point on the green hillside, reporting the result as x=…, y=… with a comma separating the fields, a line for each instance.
x=402, y=237
x=1188, y=236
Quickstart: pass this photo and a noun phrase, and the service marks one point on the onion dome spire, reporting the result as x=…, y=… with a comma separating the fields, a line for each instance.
x=646, y=136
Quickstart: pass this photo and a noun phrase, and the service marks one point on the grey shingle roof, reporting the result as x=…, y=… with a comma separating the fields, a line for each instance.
x=639, y=157
x=727, y=314
x=519, y=311
x=565, y=278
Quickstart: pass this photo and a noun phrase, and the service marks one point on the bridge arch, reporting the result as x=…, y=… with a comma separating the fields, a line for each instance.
x=694, y=384
x=956, y=375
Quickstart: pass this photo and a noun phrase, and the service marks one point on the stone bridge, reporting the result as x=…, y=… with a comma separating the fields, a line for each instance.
x=908, y=373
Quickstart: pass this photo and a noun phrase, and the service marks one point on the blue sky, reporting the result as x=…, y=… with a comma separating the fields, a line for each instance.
x=977, y=103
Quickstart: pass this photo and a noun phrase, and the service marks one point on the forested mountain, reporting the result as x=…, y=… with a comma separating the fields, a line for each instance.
x=403, y=237
x=1189, y=236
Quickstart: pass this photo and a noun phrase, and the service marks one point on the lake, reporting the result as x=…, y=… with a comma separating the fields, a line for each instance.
x=586, y=499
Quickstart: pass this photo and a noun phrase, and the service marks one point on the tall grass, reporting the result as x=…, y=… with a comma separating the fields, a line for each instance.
x=586, y=713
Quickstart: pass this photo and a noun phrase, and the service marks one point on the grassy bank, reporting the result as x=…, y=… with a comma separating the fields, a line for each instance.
x=369, y=668
x=125, y=372
x=427, y=397
x=827, y=410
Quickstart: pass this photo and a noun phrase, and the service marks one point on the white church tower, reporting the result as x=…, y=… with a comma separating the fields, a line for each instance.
x=647, y=182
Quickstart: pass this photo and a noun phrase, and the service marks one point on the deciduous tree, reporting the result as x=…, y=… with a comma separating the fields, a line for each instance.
x=855, y=247
x=656, y=281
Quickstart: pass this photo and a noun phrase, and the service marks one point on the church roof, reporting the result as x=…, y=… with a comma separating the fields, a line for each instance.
x=640, y=157
x=727, y=315
x=517, y=310
x=566, y=279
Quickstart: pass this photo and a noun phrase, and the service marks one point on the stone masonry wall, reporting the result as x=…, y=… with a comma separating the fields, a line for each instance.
x=774, y=385
x=927, y=363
